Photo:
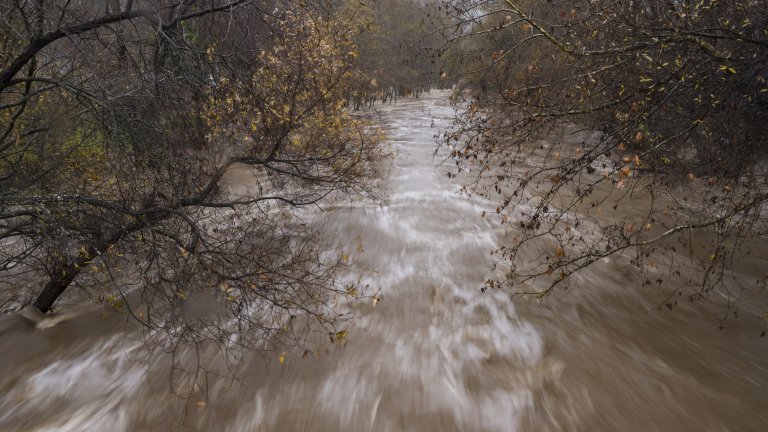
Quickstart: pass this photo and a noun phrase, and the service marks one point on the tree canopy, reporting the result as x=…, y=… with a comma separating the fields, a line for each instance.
x=575, y=108
x=121, y=122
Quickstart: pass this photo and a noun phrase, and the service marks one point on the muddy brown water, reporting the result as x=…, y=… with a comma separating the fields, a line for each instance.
x=435, y=354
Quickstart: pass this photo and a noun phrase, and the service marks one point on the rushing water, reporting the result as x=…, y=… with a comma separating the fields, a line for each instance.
x=434, y=354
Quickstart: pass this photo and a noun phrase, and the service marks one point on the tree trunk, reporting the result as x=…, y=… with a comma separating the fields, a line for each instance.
x=68, y=271
x=55, y=288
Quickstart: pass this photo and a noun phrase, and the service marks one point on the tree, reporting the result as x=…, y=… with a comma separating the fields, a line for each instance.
x=669, y=98
x=396, y=41
x=120, y=124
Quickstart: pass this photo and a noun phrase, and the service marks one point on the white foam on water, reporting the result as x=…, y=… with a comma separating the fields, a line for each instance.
x=95, y=390
x=431, y=249
x=410, y=363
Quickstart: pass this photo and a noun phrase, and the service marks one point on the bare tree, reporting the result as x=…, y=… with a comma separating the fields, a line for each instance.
x=618, y=102
x=120, y=124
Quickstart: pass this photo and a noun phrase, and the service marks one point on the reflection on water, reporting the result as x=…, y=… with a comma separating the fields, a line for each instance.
x=434, y=354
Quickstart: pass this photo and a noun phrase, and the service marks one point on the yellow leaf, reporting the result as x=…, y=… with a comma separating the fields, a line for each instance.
x=625, y=172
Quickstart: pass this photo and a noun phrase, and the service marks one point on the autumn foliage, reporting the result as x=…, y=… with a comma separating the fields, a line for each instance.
x=121, y=129
x=579, y=110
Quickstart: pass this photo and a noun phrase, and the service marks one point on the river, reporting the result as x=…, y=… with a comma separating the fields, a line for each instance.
x=435, y=354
